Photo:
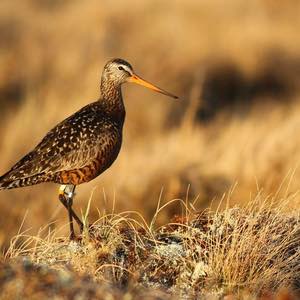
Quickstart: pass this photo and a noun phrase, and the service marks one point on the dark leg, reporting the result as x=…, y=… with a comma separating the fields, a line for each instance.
x=64, y=202
x=66, y=194
x=70, y=203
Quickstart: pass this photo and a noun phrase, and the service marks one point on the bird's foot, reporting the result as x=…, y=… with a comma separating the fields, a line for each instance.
x=72, y=236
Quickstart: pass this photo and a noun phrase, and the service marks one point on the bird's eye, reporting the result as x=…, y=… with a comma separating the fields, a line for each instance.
x=121, y=68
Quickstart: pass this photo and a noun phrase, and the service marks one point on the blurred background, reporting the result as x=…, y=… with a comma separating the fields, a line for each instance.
x=235, y=66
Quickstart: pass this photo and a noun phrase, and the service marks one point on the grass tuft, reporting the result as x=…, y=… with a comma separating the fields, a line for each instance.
x=253, y=250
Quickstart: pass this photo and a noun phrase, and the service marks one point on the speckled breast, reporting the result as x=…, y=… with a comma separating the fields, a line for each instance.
x=107, y=154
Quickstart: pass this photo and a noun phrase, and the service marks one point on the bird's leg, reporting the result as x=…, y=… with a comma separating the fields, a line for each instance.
x=66, y=195
x=64, y=201
x=70, y=203
x=69, y=194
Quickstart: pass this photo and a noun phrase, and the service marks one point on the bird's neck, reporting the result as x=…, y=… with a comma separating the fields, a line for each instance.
x=112, y=100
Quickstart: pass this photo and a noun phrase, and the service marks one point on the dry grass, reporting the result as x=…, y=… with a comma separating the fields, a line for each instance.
x=250, y=251
x=52, y=55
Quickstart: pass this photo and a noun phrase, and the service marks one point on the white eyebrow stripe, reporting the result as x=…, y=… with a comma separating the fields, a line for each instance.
x=126, y=68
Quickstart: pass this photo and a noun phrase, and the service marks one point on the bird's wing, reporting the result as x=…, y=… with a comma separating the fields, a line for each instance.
x=71, y=144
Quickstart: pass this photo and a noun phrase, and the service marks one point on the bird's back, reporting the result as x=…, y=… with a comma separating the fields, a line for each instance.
x=75, y=151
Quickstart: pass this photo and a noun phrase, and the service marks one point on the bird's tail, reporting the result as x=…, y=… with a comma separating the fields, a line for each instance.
x=2, y=182
x=6, y=183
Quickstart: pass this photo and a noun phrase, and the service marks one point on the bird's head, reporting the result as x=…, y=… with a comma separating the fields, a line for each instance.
x=120, y=71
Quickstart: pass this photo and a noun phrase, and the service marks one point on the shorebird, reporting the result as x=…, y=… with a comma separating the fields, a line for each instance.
x=82, y=146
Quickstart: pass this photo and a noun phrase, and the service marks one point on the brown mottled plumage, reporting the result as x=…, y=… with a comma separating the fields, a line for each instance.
x=75, y=151
x=82, y=146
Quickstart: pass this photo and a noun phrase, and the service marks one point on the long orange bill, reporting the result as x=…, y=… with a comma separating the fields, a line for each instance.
x=136, y=79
